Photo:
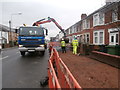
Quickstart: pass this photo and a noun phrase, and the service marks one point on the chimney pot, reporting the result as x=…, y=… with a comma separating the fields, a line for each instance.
x=83, y=16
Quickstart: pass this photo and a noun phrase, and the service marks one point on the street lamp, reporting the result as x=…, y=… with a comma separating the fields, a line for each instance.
x=10, y=25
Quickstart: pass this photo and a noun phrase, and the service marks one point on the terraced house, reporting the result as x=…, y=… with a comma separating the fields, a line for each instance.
x=101, y=27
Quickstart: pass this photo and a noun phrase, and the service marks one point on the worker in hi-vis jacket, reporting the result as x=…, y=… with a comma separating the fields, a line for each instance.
x=63, y=46
x=75, y=45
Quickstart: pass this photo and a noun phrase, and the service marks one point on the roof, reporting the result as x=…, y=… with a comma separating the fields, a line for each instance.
x=6, y=28
x=100, y=9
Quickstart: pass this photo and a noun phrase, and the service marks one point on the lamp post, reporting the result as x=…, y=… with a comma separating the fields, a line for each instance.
x=10, y=25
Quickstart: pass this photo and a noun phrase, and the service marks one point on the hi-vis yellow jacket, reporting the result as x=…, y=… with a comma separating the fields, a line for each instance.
x=75, y=43
x=63, y=44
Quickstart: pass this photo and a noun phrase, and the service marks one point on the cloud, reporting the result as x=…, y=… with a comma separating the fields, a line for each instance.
x=65, y=12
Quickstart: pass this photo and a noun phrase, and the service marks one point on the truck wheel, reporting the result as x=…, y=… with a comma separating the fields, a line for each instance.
x=45, y=46
x=42, y=53
x=22, y=53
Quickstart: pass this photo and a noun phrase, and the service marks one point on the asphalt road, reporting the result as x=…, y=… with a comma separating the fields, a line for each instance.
x=23, y=72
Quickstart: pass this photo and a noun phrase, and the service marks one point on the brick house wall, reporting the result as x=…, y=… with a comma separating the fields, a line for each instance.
x=108, y=24
x=107, y=10
x=106, y=37
x=91, y=21
x=91, y=36
x=14, y=36
x=108, y=16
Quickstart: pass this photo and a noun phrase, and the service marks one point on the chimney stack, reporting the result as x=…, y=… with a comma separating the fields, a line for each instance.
x=83, y=16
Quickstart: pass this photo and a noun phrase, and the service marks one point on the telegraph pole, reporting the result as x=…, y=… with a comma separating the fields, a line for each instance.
x=10, y=25
x=11, y=42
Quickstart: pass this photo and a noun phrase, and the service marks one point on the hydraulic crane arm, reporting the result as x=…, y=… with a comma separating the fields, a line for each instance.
x=42, y=21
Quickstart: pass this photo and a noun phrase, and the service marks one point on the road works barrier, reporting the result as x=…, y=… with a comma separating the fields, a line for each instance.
x=59, y=75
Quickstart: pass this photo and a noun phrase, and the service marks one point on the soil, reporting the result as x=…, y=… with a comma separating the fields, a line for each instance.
x=91, y=73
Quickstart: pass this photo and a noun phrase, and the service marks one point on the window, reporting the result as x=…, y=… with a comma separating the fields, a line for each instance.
x=98, y=37
x=81, y=38
x=101, y=37
x=31, y=31
x=72, y=29
x=117, y=38
x=86, y=37
x=114, y=16
x=113, y=36
x=86, y=24
x=69, y=31
x=101, y=18
x=70, y=39
x=98, y=19
x=75, y=29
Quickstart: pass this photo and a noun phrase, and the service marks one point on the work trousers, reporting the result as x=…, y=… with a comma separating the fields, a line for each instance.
x=63, y=49
x=74, y=49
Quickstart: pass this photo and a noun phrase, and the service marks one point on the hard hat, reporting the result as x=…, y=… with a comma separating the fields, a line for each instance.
x=24, y=24
x=75, y=37
x=62, y=39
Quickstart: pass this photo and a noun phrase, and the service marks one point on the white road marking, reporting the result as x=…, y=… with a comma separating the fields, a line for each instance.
x=4, y=57
x=17, y=52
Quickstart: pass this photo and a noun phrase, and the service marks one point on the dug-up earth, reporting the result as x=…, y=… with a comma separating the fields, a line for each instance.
x=91, y=73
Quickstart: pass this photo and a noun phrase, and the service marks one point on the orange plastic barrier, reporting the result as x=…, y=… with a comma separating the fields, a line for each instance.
x=63, y=75
x=53, y=81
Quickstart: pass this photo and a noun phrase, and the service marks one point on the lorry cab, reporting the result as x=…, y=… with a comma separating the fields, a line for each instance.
x=31, y=39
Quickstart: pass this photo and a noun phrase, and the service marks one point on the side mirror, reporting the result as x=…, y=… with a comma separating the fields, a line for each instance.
x=16, y=30
x=46, y=31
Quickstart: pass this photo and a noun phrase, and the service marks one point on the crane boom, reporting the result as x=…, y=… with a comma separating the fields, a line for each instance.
x=42, y=21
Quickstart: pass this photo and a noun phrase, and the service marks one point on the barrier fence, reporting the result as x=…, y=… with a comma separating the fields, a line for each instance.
x=53, y=81
x=59, y=75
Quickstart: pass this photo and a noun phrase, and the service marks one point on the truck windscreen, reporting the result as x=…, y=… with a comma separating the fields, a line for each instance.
x=31, y=31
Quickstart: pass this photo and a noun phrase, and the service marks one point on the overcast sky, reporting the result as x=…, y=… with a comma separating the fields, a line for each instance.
x=65, y=12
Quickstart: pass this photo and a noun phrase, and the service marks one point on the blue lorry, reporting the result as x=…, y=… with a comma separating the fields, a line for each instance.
x=31, y=39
